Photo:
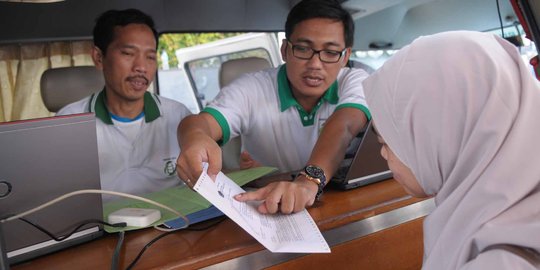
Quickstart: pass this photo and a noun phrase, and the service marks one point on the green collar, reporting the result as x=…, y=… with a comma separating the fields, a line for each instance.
x=98, y=105
x=287, y=99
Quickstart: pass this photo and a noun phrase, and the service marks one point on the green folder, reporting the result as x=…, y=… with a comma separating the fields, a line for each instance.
x=181, y=199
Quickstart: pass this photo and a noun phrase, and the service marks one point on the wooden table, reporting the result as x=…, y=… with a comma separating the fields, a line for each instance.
x=350, y=221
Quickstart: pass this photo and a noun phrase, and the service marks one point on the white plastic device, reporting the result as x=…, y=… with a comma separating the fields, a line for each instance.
x=136, y=217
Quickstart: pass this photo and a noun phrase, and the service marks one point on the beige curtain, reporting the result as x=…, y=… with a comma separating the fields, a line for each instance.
x=21, y=67
x=9, y=60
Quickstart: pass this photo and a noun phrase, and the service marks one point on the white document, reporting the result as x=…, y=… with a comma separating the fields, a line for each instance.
x=295, y=233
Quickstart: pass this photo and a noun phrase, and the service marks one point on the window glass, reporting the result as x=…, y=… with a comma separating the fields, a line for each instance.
x=189, y=63
x=205, y=72
x=373, y=58
x=514, y=34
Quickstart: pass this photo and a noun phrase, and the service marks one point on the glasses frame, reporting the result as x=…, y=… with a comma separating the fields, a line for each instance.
x=318, y=52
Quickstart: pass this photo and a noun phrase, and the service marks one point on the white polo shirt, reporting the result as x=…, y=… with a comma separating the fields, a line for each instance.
x=136, y=157
x=274, y=128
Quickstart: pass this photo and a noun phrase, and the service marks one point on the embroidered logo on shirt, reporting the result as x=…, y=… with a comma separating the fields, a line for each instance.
x=170, y=168
x=322, y=121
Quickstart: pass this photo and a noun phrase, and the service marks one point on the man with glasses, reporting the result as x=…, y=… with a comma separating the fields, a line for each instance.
x=300, y=116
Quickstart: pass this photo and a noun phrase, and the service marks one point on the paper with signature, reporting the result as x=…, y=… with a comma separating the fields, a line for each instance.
x=295, y=233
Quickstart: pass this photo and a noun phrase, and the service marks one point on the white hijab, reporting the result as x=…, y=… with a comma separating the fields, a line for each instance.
x=462, y=111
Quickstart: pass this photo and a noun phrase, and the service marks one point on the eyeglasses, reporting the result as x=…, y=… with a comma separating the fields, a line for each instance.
x=306, y=53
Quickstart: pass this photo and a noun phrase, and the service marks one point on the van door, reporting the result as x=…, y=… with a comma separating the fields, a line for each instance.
x=528, y=13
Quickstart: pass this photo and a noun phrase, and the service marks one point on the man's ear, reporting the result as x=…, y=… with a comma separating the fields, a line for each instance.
x=97, y=57
x=345, y=58
x=284, y=50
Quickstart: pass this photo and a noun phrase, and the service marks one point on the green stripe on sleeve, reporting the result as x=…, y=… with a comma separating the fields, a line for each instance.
x=361, y=107
x=225, y=129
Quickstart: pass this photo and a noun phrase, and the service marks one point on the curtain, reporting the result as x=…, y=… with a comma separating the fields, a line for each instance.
x=21, y=67
x=9, y=61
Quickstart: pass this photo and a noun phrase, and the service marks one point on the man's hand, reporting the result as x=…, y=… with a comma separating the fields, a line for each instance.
x=197, y=135
x=247, y=162
x=284, y=196
x=189, y=163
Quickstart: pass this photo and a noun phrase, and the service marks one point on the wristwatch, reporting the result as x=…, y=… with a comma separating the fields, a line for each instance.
x=316, y=175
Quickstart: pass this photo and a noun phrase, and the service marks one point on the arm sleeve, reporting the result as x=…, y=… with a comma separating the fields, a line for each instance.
x=351, y=91
x=231, y=107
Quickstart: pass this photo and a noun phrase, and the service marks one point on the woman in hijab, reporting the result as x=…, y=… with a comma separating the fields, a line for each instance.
x=458, y=116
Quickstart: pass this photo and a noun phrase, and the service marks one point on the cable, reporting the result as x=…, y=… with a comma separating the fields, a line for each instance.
x=202, y=228
x=94, y=191
x=146, y=247
x=163, y=229
x=116, y=254
x=114, y=263
x=81, y=224
x=500, y=18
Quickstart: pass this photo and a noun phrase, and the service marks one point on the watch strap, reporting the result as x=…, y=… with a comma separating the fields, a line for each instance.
x=320, y=181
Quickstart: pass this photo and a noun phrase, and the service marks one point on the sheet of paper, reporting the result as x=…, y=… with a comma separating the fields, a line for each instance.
x=295, y=233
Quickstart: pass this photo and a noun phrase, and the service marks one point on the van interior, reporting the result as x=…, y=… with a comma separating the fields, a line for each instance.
x=197, y=36
x=43, y=41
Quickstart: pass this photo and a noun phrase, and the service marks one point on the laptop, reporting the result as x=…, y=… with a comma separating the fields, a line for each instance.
x=365, y=166
x=42, y=159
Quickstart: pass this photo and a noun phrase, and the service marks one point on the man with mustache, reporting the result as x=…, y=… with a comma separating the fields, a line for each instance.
x=136, y=129
x=300, y=116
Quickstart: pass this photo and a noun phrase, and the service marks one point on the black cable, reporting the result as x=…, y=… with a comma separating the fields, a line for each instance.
x=83, y=223
x=116, y=254
x=132, y=264
x=146, y=247
x=500, y=18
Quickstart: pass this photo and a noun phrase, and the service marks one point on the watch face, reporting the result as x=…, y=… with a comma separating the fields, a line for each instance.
x=315, y=172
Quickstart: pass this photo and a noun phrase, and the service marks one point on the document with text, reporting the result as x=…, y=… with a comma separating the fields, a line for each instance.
x=294, y=233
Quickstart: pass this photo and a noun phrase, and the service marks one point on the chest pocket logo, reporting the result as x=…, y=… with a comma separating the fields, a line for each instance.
x=170, y=168
x=322, y=121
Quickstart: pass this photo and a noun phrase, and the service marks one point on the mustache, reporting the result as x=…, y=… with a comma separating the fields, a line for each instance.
x=130, y=78
x=313, y=75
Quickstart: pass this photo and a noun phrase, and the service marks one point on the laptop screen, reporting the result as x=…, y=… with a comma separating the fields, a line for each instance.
x=42, y=159
x=367, y=166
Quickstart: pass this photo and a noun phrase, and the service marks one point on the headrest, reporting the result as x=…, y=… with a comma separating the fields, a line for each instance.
x=61, y=86
x=232, y=69
x=357, y=64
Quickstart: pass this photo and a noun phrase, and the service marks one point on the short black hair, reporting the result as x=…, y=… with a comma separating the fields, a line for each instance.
x=328, y=9
x=106, y=22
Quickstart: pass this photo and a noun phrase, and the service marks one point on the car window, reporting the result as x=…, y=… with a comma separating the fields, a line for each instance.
x=205, y=72
x=189, y=71
x=514, y=34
